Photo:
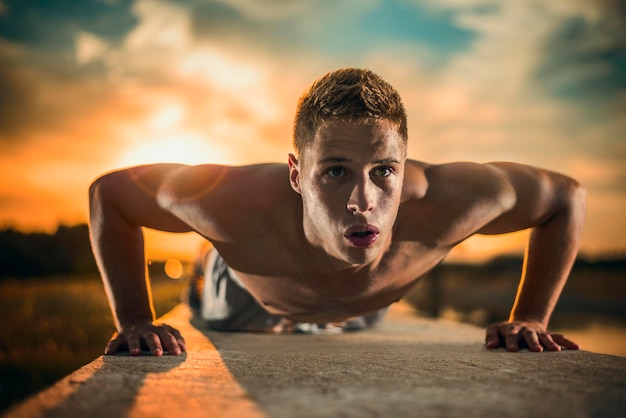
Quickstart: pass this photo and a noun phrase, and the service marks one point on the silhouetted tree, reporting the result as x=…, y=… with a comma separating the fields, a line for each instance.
x=67, y=251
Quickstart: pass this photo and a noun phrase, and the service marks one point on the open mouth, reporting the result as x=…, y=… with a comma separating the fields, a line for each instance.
x=361, y=233
x=361, y=236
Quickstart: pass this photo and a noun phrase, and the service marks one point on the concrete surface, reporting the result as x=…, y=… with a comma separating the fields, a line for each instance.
x=406, y=367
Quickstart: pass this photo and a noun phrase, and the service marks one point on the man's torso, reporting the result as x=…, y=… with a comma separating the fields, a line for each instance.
x=256, y=226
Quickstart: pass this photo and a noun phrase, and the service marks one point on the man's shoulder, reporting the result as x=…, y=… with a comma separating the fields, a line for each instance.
x=462, y=175
x=423, y=179
x=457, y=200
x=223, y=201
x=234, y=170
x=464, y=183
x=450, y=171
x=270, y=179
x=226, y=179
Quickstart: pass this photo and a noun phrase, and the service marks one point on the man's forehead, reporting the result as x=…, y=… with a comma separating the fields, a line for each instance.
x=336, y=138
x=342, y=125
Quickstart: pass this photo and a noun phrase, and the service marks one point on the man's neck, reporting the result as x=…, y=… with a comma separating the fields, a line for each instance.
x=325, y=262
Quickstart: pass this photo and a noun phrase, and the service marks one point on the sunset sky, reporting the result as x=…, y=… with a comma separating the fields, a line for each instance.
x=87, y=86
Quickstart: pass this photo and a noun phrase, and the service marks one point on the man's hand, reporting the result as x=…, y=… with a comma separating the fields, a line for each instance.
x=518, y=334
x=156, y=337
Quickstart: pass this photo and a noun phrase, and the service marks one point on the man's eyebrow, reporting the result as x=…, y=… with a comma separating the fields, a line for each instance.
x=389, y=160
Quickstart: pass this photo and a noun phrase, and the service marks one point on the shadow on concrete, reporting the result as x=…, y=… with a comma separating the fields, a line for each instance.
x=111, y=385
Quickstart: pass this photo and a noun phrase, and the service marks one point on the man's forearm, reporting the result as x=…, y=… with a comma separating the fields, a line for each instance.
x=549, y=258
x=119, y=250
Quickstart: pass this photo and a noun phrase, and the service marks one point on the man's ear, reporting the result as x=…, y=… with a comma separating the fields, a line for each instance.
x=294, y=173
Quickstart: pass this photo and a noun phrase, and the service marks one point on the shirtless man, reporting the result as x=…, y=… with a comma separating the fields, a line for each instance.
x=344, y=229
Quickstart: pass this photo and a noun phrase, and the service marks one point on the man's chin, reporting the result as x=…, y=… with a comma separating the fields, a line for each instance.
x=360, y=256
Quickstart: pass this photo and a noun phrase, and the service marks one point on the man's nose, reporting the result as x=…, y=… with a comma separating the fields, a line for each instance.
x=361, y=198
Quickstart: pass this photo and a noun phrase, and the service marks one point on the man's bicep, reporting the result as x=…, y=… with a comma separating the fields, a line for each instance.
x=132, y=193
x=539, y=195
x=207, y=196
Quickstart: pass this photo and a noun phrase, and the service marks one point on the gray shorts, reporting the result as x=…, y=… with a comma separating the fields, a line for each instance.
x=224, y=304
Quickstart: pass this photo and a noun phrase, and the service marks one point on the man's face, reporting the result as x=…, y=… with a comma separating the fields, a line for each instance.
x=350, y=179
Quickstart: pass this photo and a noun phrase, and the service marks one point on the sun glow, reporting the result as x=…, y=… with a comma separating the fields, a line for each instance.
x=162, y=137
x=181, y=147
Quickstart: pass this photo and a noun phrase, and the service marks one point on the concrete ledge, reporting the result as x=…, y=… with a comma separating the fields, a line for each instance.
x=408, y=366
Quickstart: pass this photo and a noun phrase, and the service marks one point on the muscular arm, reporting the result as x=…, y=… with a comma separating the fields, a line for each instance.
x=554, y=207
x=121, y=203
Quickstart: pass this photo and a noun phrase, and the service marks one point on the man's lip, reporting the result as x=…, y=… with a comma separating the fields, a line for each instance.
x=362, y=228
x=362, y=236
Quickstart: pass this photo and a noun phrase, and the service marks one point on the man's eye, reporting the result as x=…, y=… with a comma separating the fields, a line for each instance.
x=336, y=172
x=383, y=171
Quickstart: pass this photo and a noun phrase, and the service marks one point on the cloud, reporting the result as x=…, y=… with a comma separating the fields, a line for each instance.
x=490, y=93
x=89, y=47
x=585, y=54
x=273, y=10
x=41, y=95
x=16, y=98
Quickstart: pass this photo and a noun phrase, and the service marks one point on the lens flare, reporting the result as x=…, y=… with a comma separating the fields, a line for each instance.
x=173, y=269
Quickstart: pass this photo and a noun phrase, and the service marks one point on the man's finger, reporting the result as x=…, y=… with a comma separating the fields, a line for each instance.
x=154, y=343
x=565, y=342
x=511, y=340
x=113, y=345
x=492, y=337
x=169, y=342
x=134, y=345
x=180, y=341
x=531, y=339
x=548, y=342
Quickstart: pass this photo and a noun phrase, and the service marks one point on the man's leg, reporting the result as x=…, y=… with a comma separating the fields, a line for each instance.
x=222, y=301
x=365, y=321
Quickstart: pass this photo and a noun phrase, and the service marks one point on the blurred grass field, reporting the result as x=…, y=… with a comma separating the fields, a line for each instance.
x=51, y=326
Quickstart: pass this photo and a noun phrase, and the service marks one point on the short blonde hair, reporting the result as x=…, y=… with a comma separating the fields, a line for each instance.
x=351, y=94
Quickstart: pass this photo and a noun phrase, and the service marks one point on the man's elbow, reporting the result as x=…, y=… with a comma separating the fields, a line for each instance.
x=102, y=195
x=577, y=196
x=98, y=190
x=575, y=203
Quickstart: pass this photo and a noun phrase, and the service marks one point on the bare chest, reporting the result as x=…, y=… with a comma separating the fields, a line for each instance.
x=288, y=284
